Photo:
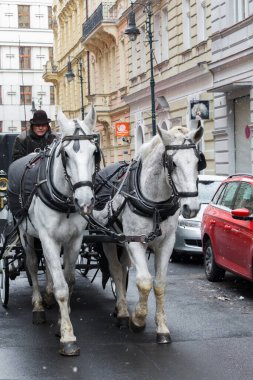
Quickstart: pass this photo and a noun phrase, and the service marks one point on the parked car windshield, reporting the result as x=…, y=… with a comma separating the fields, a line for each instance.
x=207, y=190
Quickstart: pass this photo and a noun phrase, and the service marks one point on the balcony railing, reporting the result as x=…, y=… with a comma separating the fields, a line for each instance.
x=50, y=68
x=103, y=13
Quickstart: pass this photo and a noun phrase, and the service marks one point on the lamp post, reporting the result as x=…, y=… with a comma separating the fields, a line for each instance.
x=70, y=76
x=132, y=31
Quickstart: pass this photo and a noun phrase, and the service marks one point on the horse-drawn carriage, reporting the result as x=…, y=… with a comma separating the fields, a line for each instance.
x=141, y=213
x=12, y=254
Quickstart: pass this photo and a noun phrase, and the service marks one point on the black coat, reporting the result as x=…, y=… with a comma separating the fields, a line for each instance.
x=27, y=142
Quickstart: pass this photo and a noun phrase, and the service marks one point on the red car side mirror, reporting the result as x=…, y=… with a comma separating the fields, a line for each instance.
x=241, y=213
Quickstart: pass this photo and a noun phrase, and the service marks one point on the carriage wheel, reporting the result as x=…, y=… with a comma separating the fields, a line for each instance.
x=83, y=264
x=4, y=281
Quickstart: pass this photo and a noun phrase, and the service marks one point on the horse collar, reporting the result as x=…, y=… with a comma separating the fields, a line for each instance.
x=143, y=206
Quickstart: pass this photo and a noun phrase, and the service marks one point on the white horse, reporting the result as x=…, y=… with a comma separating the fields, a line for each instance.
x=54, y=216
x=165, y=180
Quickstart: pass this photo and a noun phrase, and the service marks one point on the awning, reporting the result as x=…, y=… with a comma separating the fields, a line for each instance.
x=229, y=87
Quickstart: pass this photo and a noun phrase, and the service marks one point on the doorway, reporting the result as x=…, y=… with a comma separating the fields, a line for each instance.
x=243, y=163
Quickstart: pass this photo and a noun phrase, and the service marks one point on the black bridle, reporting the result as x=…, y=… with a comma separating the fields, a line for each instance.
x=170, y=165
x=76, y=137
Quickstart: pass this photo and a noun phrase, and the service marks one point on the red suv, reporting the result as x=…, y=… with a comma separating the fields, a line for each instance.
x=227, y=229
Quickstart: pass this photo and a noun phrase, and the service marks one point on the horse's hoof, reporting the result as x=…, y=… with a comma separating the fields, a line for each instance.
x=69, y=349
x=39, y=317
x=163, y=338
x=123, y=322
x=135, y=328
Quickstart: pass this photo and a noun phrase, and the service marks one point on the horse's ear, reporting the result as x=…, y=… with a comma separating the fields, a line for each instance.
x=62, y=119
x=90, y=119
x=196, y=135
x=166, y=136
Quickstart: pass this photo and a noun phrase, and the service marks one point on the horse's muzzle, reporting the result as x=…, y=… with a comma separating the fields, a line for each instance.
x=189, y=213
x=87, y=208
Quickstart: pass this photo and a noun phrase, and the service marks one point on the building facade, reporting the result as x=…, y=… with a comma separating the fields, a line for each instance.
x=202, y=62
x=232, y=69
x=26, y=44
x=181, y=54
x=91, y=33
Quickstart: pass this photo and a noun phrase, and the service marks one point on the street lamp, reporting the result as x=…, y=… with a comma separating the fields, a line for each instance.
x=70, y=76
x=132, y=31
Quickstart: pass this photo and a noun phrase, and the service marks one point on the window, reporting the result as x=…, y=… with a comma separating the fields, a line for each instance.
x=25, y=126
x=24, y=57
x=23, y=16
x=134, y=58
x=143, y=50
x=244, y=197
x=49, y=10
x=157, y=37
x=50, y=54
x=25, y=95
x=52, y=98
x=165, y=35
x=122, y=67
x=241, y=9
x=187, y=24
x=217, y=195
x=112, y=63
x=201, y=19
x=1, y=126
x=227, y=200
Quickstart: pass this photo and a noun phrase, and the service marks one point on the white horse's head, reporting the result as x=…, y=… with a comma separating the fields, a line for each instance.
x=181, y=162
x=78, y=153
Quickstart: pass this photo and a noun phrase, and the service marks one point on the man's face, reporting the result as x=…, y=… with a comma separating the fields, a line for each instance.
x=40, y=130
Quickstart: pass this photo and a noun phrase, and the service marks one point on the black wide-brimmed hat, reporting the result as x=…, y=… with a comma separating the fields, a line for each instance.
x=40, y=118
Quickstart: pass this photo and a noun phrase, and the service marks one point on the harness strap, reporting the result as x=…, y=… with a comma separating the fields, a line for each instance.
x=81, y=184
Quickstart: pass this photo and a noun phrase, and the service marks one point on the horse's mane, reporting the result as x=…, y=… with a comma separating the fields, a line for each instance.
x=178, y=132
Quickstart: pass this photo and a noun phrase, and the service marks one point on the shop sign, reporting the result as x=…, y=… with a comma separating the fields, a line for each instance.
x=122, y=129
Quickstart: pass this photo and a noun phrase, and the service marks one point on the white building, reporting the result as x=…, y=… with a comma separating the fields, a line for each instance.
x=232, y=68
x=26, y=44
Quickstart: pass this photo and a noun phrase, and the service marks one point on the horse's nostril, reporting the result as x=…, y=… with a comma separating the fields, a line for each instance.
x=186, y=211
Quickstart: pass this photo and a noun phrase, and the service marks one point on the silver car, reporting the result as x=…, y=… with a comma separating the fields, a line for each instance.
x=188, y=233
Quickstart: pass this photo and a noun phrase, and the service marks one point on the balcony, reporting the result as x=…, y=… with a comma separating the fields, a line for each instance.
x=50, y=72
x=102, y=20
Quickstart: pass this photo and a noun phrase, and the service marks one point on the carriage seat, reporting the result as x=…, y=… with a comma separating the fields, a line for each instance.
x=22, y=177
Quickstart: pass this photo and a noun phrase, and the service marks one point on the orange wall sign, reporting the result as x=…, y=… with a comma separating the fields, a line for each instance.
x=122, y=129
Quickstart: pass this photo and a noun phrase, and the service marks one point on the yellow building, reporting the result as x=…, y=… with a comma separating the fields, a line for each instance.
x=91, y=34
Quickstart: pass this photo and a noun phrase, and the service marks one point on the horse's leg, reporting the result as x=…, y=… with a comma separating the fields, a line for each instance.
x=52, y=251
x=27, y=241
x=117, y=274
x=48, y=298
x=161, y=264
x=126, y=264
x=144, y=285
x=71, y=252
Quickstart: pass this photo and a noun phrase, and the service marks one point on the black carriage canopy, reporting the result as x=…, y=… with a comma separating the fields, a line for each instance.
x=6, y=145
